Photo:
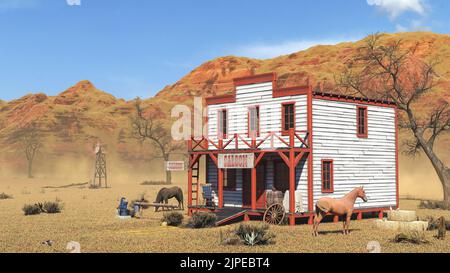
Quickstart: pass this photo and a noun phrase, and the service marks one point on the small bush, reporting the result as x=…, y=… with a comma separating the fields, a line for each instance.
x=32, y=209
x=434, y=205
x=229, y=238
x=203, y=220
x=52, y=207
x=173, y=218
x=414, y=237
x=4, y=196
x=255, y=234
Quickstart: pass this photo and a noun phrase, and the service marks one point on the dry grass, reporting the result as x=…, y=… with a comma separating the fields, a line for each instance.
x=89, y=218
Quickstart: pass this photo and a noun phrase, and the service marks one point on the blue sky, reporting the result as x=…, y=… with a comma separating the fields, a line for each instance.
x=134, y=48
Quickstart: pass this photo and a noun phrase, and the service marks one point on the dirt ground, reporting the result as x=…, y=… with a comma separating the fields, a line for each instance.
x=89, y=218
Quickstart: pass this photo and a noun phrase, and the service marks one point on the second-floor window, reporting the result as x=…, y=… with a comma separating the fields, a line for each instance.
x=222, y=123
x=288, y=117
x=253, y=121
x=361, y=121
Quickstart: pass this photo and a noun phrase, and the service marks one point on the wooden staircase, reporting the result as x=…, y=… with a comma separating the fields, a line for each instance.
x=196, y=183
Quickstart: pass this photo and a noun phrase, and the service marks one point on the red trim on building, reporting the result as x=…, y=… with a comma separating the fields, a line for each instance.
x=255, y=79
x=283, y=131
x=360, y=134
x=331, y=173
x=351, y=99
x=290, y=91
x=230, y=98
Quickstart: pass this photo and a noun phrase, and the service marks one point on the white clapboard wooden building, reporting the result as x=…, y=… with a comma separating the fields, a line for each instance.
x=307, y=144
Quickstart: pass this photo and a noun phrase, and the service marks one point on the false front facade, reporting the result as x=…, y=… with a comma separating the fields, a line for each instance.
x=307, y=144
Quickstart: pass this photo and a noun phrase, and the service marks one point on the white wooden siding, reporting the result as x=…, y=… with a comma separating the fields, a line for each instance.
x=270, y=115
x=368, y=162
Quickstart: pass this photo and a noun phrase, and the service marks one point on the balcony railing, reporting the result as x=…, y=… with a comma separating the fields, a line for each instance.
x=267, y=141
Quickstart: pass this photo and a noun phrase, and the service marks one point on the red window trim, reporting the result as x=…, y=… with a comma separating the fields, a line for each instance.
x=220, y=135
x=284, y=132
x=248, y=120
x=331, y=190
x=365, y=135
x=228, y=188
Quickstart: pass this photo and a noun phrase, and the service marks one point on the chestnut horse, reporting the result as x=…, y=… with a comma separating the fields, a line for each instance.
x=343, y=206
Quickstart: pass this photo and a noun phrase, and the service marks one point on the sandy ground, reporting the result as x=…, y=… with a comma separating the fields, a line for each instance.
x=89, y=218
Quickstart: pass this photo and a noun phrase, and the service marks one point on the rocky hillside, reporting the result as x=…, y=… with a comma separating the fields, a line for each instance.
x=76, y=118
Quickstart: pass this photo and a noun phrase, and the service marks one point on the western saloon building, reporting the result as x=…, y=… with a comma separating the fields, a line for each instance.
x=304, y=143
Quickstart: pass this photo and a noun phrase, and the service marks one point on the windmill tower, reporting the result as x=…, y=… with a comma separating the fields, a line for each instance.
x=100, y=167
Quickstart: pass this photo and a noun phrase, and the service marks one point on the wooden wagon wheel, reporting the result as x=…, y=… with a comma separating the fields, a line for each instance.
x=274, y=214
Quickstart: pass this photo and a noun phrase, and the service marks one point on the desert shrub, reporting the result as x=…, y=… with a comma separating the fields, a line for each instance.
x=414, y=237
x=173, y=218
x=4, y=196
x=94, y=187
x=31, y=209
x=253, y=235
x=203, y=220
x=434, y=205
x=52, y=207
x=229, y=238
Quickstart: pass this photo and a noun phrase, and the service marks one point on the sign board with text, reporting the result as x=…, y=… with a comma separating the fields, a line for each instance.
x=236, y=161
x=175, y=166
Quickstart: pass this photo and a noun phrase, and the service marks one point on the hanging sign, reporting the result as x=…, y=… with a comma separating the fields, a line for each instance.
x=175, y=166
x=236, y=161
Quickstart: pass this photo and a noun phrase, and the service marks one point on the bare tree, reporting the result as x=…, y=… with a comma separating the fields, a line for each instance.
x=147, y=127
x=394, y=72
x=29, y=141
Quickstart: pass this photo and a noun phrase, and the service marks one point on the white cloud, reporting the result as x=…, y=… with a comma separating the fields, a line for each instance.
x=265, y=50
x=396, y=7
x=17, y=4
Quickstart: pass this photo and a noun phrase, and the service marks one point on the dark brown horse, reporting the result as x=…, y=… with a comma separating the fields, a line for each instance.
x=168, y=193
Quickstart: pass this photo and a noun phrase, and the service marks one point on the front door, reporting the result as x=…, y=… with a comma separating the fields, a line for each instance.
x=260, y=186
x=281, y=176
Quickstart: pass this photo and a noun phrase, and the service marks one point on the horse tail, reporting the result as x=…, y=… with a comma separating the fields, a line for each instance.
x=320, y=208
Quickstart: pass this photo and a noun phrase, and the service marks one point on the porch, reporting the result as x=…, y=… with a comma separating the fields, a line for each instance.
x=292, y=148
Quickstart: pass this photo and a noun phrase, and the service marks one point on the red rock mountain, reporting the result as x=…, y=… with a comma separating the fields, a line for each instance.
x=73, y=120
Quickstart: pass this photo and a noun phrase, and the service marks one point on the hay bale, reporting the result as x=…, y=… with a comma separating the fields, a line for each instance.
x=389, y=225
x=416, y=226
x=402, y=215
x=402, y=226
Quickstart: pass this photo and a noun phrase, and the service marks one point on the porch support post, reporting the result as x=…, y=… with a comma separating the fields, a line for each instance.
x=253, y=188
x=190, y=186
x=292, y=187
x=220, y=186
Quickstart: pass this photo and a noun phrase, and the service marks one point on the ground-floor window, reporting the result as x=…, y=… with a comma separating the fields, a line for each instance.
x=327, y=176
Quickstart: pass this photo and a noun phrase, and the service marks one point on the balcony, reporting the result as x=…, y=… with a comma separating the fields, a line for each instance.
x=269, y=141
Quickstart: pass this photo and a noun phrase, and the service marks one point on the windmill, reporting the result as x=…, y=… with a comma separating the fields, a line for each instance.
x=100, y=167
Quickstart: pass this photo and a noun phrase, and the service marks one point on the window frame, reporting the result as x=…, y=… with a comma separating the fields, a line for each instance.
x=250, y=133
x=220, y=133
x=322, y=172
x=358, y=121
x=283, y=119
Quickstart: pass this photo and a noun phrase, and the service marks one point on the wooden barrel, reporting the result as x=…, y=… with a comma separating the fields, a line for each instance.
x=274, y=197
